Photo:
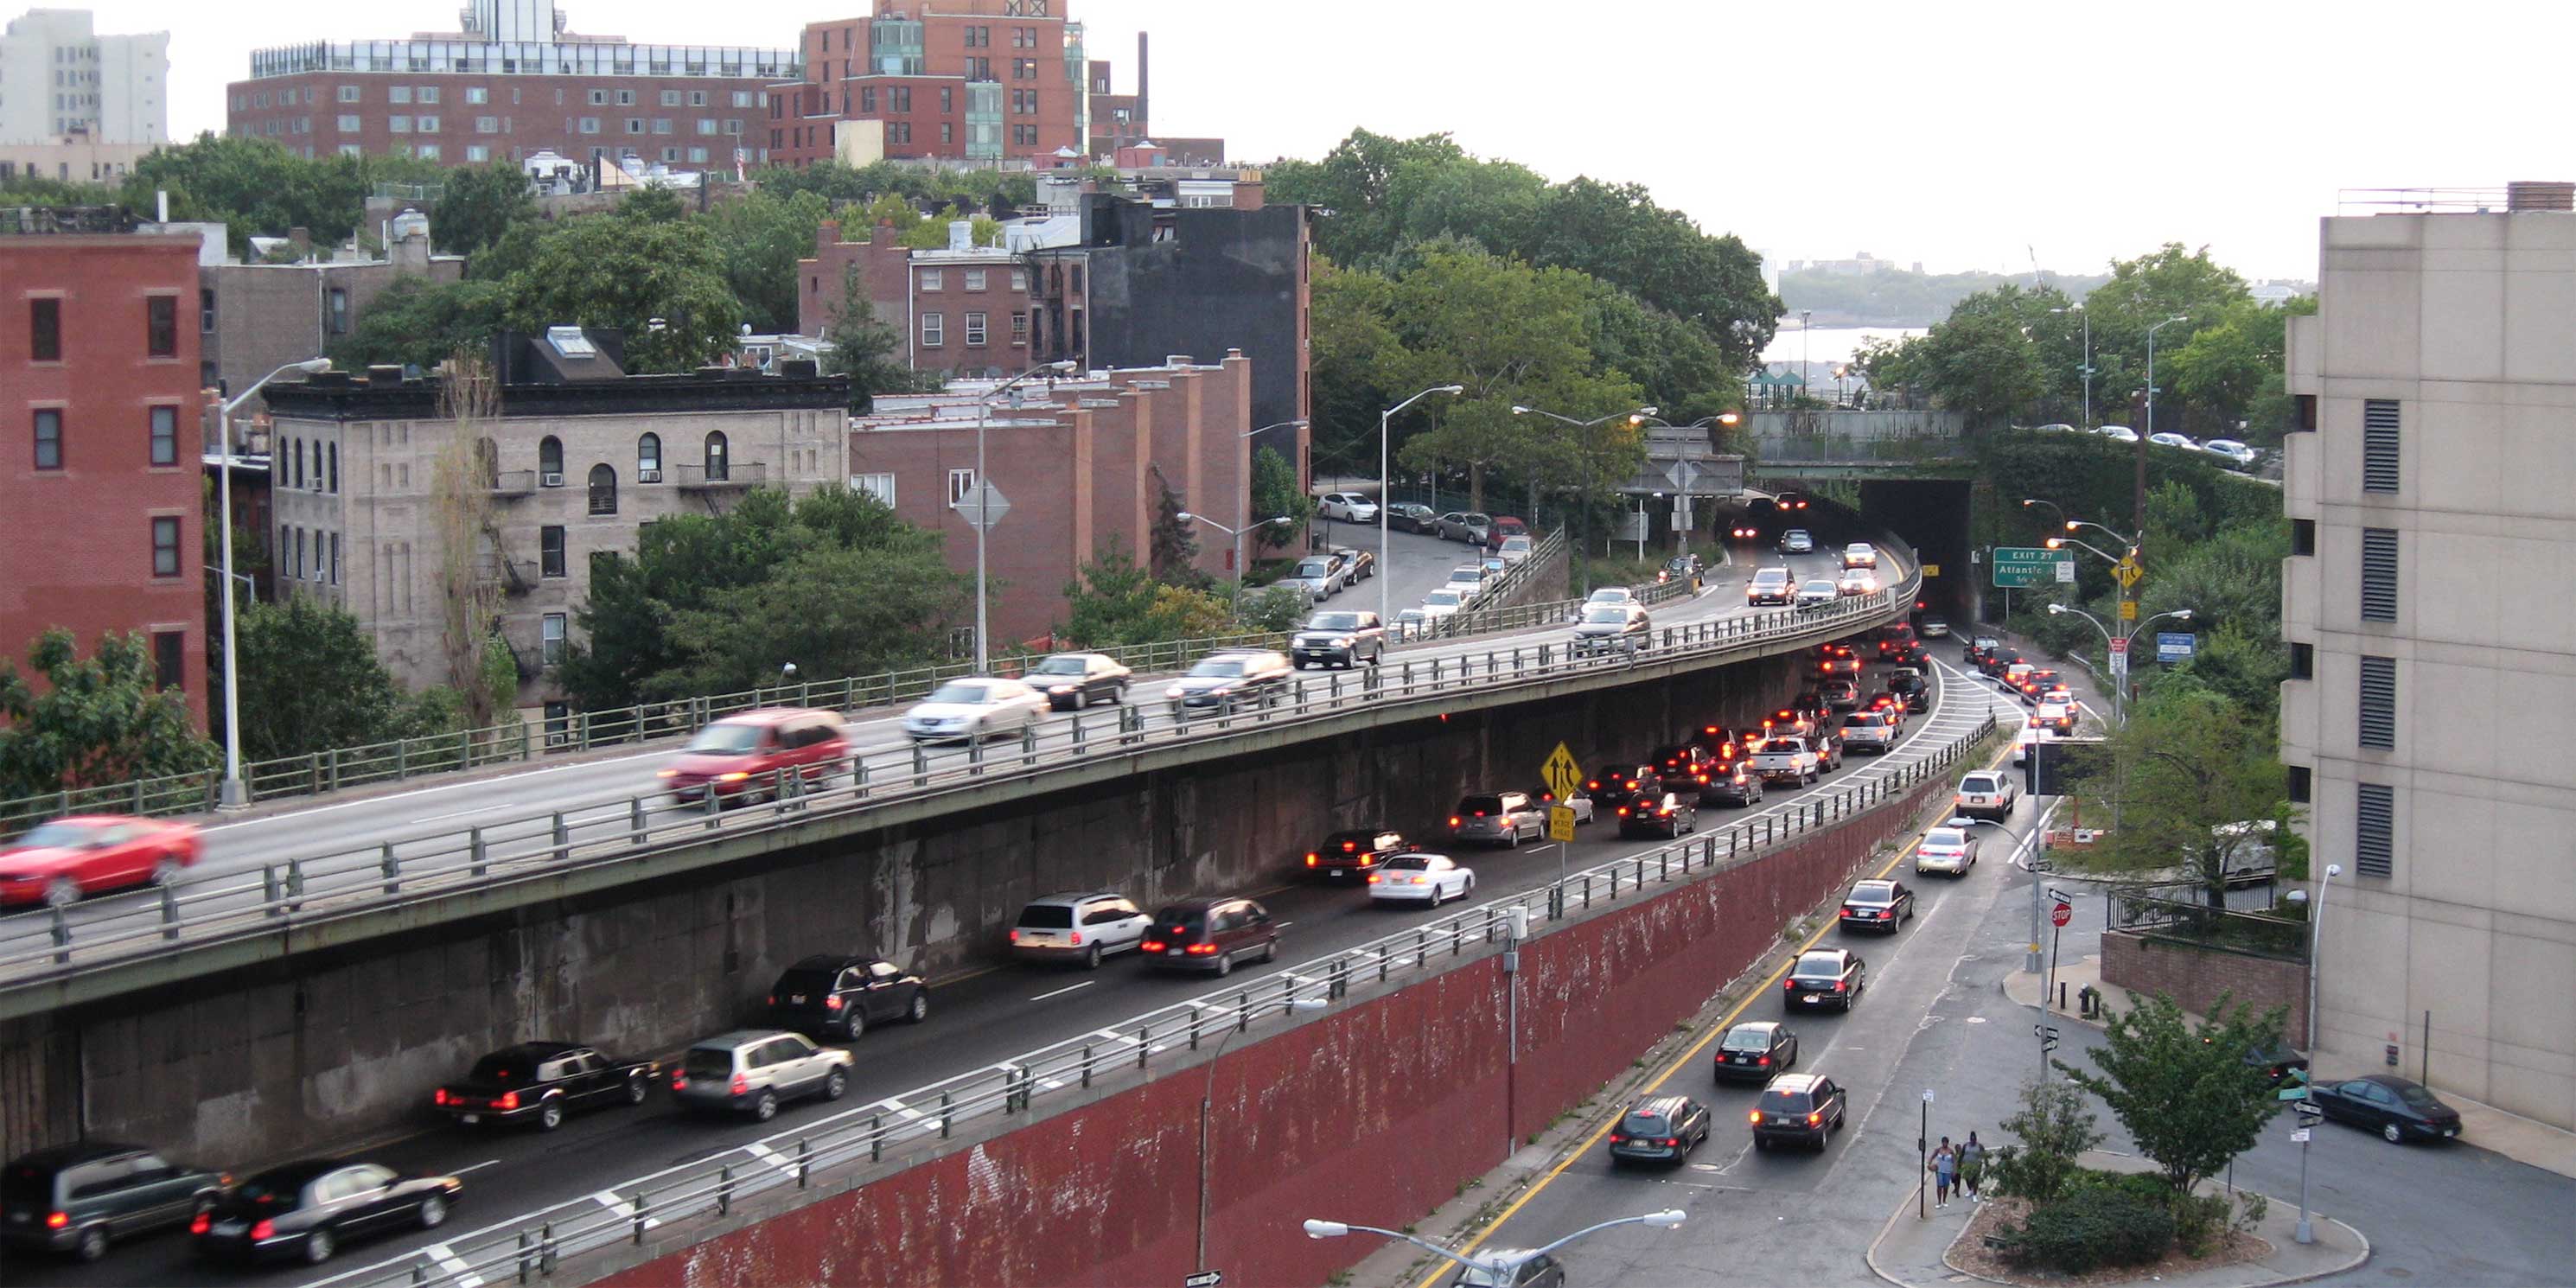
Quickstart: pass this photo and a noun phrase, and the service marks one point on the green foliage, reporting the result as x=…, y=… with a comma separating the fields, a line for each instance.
x=293, y=650
x=418, y=322
x=99, y=721
x=2091, y=1228
x=256, y=187
x=1174, y=551
x=1275, y=494
x=2185, y=1091
x=2187, y=766
x=760, y=237
x=869, y=352
x=627, y=270
x=478, y=205
x=2055, y=1126
x=2199, y=1220
x=652, y=206
x=841, y=184
x=1272, y=608
x=1114, y=600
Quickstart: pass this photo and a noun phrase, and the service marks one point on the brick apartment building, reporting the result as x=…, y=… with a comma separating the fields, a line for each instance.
x=100, y=481
x=583, y=456
x=964, y=310
x=515, y=82
x=1078, y=459
x=255, y=318
x=970, y=80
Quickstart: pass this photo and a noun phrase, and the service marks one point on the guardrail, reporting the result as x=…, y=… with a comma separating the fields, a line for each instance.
x=874, y=1136
x=249, y=903
x=2197, y=922
x=402, y=759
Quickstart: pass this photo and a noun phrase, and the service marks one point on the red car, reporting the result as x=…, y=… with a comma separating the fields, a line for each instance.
x=744, y=757
x=67, y=858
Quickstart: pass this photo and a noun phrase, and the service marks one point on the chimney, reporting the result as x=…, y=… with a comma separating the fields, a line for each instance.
x=2529, y=195
x=825, y=235
x=302, y=240
x=1142, y=76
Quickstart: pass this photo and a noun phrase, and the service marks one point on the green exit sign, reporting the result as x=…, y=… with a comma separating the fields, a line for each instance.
x=2021, y=567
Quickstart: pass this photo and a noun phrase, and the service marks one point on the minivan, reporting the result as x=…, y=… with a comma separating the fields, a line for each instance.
x=1209, y=934
x=750, y=756
x=77, y=1198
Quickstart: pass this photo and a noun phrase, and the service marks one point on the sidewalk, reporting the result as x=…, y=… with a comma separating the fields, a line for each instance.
x=1913, y=1252
x=2516, y=1137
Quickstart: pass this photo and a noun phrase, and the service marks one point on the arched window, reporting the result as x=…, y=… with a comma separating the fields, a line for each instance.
x=335, y=467
x=603, y=489
x=550, y=461
x=719, y=463
x=648, y=459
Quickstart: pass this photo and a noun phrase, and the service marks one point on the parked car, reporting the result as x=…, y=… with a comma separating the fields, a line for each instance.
x=1755, y=1051
x=1817, y=592
x=1356, y=852
x=974, y=708
x=1608, y=628
x=1411, y=624
x=1073, y=681
x=1320, y=576
x=1860, y=554
x=1833, y=977
x=1770, y=586
x=1503, y=527
x=305, y=1211
x=1357, y=565
x=1798, y=1109
x=1406, y=516
x=1659, y=1129
x=1515, y=549
x=2118, y=433
x=1428, y=879
x=1209, y=934
x=1871, y=731
x=1469, y=526
x=753, y=1071
x=1077, y=925
x=83, y=1197
x=1231, y=678
x=64, y=859
x=1442, y=603
x=1470, y=580
x=844, y=993
x=1343, y=639
x=1797, y=541
x=2398, y=1109
x=1735, y=782
x=1948, y=850
x=2237, y=455
x=1986, y=794
x=1669, y=814
x=1349, y=507
x=538, y=1083
x=1498, y=818
x=1877, y=905
x=2180, y=442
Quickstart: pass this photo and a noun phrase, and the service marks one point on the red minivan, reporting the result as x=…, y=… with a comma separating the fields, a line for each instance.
x=741, y=757
x=1505, y=525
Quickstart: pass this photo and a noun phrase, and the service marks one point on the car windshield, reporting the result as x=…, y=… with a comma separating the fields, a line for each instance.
x=1609, y=595
x=1314, y=568
x=1771, y=577
x=1826, y=964
x=70, y=834
x=1481, y=805
x=1607, y=613
x=1781, y=1100
x=1409, y=862
x=1820, y=586
x=1516, y=543
x=1218, y=668
x=1747, y=1039
x=1047, y=916
x=1060, y=664
x=1335, y=622
x=726, y=737
x=1947, y=838
x=1639, y=1123
x=1678, y=563
x=1441, y=599
x=963, y=694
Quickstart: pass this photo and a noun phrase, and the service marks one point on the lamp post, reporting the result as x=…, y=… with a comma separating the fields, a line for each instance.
x=1386, y=499
x=2087, y=369
x=983, y=495
x=1806, y=349
x=1639, y=416
x=1207, y=1092
x=1664, y=1220
x=2119, y=707
x=232, y=794
x=2316, y=941
x=1237, y=533
x=2138, y=486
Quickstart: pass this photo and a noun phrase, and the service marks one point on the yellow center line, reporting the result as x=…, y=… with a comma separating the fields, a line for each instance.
x=1683, y=1061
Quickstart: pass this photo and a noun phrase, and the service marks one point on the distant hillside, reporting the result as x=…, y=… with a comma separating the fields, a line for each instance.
x=1897, y=298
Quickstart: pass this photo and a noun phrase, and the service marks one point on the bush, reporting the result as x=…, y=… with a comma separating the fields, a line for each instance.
x=2199, y=1220
x=2092, y=1227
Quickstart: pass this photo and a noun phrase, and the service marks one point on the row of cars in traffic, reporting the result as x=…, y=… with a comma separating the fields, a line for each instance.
x=2230, y=452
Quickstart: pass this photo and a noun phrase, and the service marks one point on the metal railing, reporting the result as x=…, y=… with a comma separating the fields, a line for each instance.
x=2197, y=922
x=251, y=903
x=887, y=1135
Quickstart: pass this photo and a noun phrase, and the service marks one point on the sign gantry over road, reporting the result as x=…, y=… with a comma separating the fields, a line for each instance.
x=2021, y=567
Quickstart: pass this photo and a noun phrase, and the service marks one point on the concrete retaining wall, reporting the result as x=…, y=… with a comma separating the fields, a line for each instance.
x=2193, y=975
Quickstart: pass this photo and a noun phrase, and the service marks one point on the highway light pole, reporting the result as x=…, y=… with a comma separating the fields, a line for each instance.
x=983, y=520
x=1386, y=500
x=2087, y=369
x=1664, y=1220
x=2127, y=645
x=1237, y=533
x=232, y=795
x=2139, y=486
x=1207, y=1092
x=2316, y=941
x=1639, y=416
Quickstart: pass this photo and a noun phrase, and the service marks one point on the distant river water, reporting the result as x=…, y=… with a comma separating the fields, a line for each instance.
x=1825, y=345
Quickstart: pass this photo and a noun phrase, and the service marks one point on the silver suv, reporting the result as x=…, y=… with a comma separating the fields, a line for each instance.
x=1498, y=818
x=752, y=1070
x=1078, y=927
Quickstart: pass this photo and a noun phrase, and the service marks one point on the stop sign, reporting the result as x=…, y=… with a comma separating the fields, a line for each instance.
x=2061, y=914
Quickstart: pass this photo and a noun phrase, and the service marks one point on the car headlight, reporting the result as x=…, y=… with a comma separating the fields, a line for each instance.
x=1343, y=642
x=1062, y=688
x=1175, y=691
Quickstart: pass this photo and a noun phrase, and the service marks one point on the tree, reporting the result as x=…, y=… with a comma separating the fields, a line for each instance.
x=477, y=205
x=255, y=186
x=469, y=550
x=100, y=720
x=2189, y=767
x=870, y=352
x=1271, y=608
x=2186, y=1092
x=304, y=646
x=1275, y=494
x=1175, y=549
x=417, y=322
x=661, y=281
x=1355, y=351
x=2054, y=1128
x=761, y=236
x=1113, y=600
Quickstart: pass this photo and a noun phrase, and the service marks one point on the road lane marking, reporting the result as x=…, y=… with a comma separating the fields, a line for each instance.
x=623, y=1206
x=909, y=1114
x=770, y=1156
x=479, y=809
x=1069, y=988
x=475, y=1168
x=456, y=1266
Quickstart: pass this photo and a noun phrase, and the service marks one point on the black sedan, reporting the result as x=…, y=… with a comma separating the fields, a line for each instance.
x=1756, y=1051
x=1408, y=517
x=305, y=1211
x=2398, y=1109
x=1877, y=905
x=537, y=1083
x=1833, y=977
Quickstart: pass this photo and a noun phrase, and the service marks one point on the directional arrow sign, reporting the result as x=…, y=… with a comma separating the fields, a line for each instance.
x=1560, y=772
x=982, y=506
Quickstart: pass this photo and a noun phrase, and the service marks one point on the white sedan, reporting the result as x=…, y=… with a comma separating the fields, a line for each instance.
x=1349, y=507
x=1426, y=879
x=2118, y=433
x=975, y=708
x=1946, y=849
x=2171, y=439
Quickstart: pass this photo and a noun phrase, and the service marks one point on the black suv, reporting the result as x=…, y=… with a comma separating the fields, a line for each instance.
x=1833, y=977
x=1659, y=1129
x=1232, y=678
x=1798, y=1108
x=78, y=1198
x=1622, y=785
x=827, y=993
x=1354, y=853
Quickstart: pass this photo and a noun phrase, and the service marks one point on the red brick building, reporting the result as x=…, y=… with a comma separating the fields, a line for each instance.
x=973, y=80
x=100, y=478
x=1082, y=461
x=964, y=310
x=515, y=82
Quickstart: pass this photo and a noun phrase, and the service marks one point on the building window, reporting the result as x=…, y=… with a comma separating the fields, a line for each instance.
x=598, y=98
x=428, y=125
x=974, y=279
x=626, y=98
x=867, y=100
x=2374, y=830
x=2379, y=574
x=880, y=486
x=975, y=329
x=899, y=98
x=1020, y=280
x=635, y=125
x=428, y=93
x=2305, y=418
x=933, y=279
x=476, y=152
x=335, y=468
x=350, y=124
x=2379, y=704
x=648, y=459
x=49, y=438
x=426, y=152
x=348, y=93
x=661, y=125
x=161, y=326
x=2303, y=661
x=165, y=546
x=206, y=312
x=398, y=93
x=2379, y=445
x=719, y=459
x=960, y=482
x=2302, y=784
x=550, y=550
x=335, y=559
x=934, y=330
x=169, y=659
x=603, y=489
x=590, y=125
x=1019, y=329
x=339, y=310
x=551, y=645
x=947, y=99
x=550, y=461
x=670, y=98
x=398, y=124
x=2303, y=536
x=707, y=125
x=165, y=435
x=477, y=94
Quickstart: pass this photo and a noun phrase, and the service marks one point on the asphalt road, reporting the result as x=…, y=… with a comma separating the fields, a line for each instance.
x=978, y=1021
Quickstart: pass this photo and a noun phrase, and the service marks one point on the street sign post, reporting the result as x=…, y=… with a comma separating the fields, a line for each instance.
x=2119, y=657
x=1205, y=1279
x=2061, y=914
x=2175, y=646
x=2128, y=610
x=2128, y=572
x=2022, y=567
x=1561, y=774
x=1560, y=823
x=2298, y=1135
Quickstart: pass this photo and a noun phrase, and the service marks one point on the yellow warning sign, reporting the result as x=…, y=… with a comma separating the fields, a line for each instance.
x=1931, y=570
x=2128, y=572
x=1560, y=773
x=1560, y=823
x=2128, y=610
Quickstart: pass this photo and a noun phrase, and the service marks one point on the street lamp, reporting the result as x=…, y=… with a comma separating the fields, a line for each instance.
x=983, y=503
x=2087, y=368
x=1237, y=533
x=1207, y=1091
x=1386, y=497
x=232, y=795
x=2057, y=542
x=2030, y=959
x=1639, y=416
x=2151, y=370
x=1664, y=1220
x=2119, y=683
x=1806, y=349
x=2316, y=941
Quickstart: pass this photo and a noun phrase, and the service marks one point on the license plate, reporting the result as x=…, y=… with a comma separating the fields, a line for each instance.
x=797, y=998
x=1778, y=1120
x=19, y=1217
x=470, y=1119
x=230, y=1227
x=1811, y=997
x=2450, y=1131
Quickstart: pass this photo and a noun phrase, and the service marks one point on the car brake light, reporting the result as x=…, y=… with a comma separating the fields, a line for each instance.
x=57, y=1220
x=1789, y=984
x=1764, y=1060
x=773, y=998
x=438, y=1097
x=1200, y=950
x=740, y=1085
x=201, y=1224
x=734, y=777
x=1480, y=813
x=508, y=1100
x=1077, y=939
x=1840, y=986
x=264, y=1230
x=1015, y=934
x=1617, y=1138
x=1672, y=1141
x=1350, y=847
x=832, y=1003
x=1453, y=820
x=1312, y=859
x=1816, y=1119
x=1850, y=911
x=679, y=1080
x=1623, y=811
x=1756, y=1116
x=1151, y=946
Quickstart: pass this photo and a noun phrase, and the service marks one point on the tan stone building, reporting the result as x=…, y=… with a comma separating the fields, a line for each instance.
x=2433, y=662
x=580, y=458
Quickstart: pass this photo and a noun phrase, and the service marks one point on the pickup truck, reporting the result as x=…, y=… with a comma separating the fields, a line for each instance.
x=1787, y=760
x=537, y=1083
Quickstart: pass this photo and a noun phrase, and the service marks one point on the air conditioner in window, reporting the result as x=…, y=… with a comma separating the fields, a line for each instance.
x=552, y=480
x=648, y=476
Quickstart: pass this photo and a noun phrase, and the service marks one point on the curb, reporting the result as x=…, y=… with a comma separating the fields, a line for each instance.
x=1870, y=1256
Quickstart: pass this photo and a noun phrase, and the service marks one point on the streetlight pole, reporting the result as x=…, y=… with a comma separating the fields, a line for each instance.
x=2316, y=942
x=1207, y=1093
x=983, y=505
x=2127, y=643
x=1664, y=1220
x=1386, y=500
x=1639, y=416
x=2087, y=368
x=2139, y=487
x=232, y=795
x=1243, y=510
x=1806, y=350
x=1281, y=521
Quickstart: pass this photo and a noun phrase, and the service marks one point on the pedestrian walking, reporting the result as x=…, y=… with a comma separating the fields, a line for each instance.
x=1972, y=1167
x=1945, y=1172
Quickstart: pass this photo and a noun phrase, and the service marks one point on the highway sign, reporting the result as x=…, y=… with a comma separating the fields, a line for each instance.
x=1561, y=774
x=1931, y=570
x=2175, y=646
x=1682, y=474
x=983, y=505
x=1560, y=823
x=2128, y=572
x=2018, y=567
x=2061, y=914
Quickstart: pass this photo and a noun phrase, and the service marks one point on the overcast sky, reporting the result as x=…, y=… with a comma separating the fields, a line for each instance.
x=1962, y=134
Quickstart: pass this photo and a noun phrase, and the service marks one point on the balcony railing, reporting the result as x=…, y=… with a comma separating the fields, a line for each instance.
x=740, y=474
x=511, y=483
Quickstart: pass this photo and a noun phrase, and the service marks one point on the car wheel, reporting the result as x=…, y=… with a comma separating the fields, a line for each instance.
x=1513, y=838
x=1224, y=965
x=165, y=872
x=1270, y=952
x=62, y=892
x=1082, y=699
x=2389, y=1132
x=636, y=1088
x=550, y=1114
x=1091, y=959
x=1761, y=1146
x=433, y=1212
x=920, y=1008
x=856, y=1024
x=93, y=1243
x=317, y=1247
x=766, y=1107
x=835, y=1083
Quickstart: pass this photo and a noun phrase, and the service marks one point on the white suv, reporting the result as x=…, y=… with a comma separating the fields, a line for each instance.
x=1987, y=794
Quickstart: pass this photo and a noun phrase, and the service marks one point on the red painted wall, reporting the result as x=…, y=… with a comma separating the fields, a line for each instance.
x=1327, y=1119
